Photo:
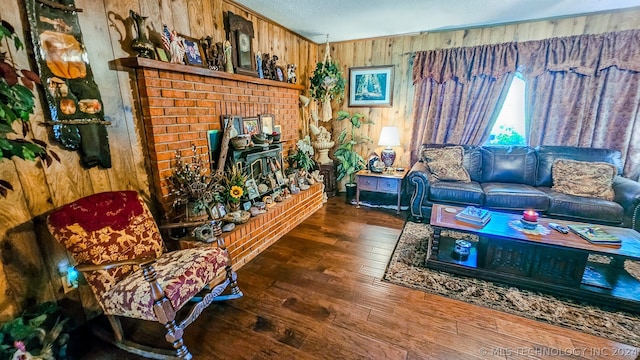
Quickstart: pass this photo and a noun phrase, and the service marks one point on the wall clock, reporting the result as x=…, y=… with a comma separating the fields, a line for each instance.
x=240, y=34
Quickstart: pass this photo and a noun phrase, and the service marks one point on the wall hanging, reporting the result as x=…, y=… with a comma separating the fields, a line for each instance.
x=71, y=94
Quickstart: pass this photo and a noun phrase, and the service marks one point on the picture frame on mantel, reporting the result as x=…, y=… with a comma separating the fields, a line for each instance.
x=193, y=54
x=371, y=86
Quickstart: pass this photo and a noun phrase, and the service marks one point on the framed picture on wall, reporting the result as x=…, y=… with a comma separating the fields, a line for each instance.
x=236, y=123
x=193, y=53
x=371, y=86
x=266, y=120
x=251, y=125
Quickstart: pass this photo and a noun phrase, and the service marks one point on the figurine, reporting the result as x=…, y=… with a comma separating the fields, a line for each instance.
x=291, y=73
x=265, y=66
x=273, y=67
x=259, y=65
x=176, y=47
x=227, y=57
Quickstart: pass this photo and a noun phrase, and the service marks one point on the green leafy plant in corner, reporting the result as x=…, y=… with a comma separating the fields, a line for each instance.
x=17, y=103
x=327, y=81
x=350, y=161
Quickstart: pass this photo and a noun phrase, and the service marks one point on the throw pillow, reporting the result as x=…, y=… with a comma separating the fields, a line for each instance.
x=445, y=164
x=583, y=178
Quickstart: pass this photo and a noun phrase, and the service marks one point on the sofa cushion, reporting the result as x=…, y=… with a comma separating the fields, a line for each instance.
x=471, y=160
x=583, y=178
x=509, y=164
x=445, y=164
x=514, y=197
x=548, y=154
x=582, y=208
x=456, y=192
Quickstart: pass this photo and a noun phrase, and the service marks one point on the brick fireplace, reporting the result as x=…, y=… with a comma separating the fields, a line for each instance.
x=180, y=103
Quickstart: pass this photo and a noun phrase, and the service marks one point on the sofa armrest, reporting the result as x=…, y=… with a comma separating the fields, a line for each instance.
x=418, y=177
x=627, y=194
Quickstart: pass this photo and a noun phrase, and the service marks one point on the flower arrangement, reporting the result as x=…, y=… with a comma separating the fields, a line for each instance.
x=232, y=183
x=302, y=158
x=192, y=183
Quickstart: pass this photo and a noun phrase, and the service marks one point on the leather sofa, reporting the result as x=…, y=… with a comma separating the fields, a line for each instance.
x=516, y=178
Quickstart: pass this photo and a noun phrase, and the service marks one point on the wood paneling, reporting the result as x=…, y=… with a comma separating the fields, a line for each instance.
x=399, y=50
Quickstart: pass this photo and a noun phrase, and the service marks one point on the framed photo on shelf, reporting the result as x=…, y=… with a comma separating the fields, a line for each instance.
x=252, y=189
x=236, y=121
x=266, y=120
x=371, y=86
x=162, y=54
x=251, y=125
x=193, y=53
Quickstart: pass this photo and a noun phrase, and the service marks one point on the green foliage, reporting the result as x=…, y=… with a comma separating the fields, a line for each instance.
x=302, y=158
x=350, y=161
x=17, y=103
x=507, y=136
x=327, y=80
x=37, y=331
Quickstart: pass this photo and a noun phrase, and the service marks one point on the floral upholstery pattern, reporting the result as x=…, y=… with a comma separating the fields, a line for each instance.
x=582, y=178
x=445, y=164
x=115, y=226
x=181, y=274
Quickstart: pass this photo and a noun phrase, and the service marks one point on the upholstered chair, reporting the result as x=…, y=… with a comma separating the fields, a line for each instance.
x=118, y=247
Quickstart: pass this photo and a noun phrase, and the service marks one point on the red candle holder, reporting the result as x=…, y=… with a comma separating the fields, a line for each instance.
x=530, y=215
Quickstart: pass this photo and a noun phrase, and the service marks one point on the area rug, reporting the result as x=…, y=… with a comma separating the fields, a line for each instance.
x=406, y=268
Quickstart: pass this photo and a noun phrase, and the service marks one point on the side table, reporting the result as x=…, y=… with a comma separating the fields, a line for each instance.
x=328, y=170
x=385, y=182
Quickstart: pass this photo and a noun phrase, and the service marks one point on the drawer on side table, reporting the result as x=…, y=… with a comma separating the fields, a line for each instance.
x=368, y=183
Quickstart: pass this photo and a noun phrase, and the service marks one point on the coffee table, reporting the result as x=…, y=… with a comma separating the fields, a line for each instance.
x=557, y=263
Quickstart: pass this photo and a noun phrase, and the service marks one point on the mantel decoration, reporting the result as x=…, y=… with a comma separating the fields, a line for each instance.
x=72, y=96
x=327, y=83
x=193, y=186
x=17, y=102
x=141, y=43
x=240, y=33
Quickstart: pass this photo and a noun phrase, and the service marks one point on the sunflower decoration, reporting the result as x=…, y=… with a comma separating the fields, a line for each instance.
x=233, y=182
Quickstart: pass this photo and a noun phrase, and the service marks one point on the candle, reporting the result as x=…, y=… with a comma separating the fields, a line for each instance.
x=530, y=215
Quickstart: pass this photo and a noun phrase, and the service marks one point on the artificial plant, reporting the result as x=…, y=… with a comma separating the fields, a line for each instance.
x=349, y=160
x=17, y=103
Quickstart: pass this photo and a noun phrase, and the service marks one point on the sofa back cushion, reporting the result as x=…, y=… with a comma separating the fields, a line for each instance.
x=547, y=155
x=584, y=178
x=471, y=160
x=509, y=164
x=445, y=164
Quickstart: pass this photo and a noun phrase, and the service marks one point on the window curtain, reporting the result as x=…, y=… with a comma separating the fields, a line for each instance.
x=459, y=92
x=585, y=91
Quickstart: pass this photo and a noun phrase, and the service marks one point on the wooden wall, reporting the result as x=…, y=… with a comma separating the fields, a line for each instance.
x=399, y=52
x=28, y=271
x=29, y=256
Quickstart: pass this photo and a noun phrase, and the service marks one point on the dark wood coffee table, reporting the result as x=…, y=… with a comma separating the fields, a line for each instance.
x=555, y=262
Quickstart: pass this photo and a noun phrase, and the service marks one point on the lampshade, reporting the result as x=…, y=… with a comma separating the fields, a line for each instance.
x=389, y=136
x=304, y=100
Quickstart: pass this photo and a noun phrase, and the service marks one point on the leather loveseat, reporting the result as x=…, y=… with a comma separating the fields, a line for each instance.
x=516, y=178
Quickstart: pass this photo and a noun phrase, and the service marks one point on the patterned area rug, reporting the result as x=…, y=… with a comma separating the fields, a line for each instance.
x=406, y=268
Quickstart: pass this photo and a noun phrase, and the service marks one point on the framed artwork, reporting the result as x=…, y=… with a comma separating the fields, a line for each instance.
x=214, y=138
x=236, y=122
x=193, y=53
x=162, y=54
x=277, y=129
x=280, y=73
x=371, y=86
x=266, y=120
x=251, y=125
x=252, y=189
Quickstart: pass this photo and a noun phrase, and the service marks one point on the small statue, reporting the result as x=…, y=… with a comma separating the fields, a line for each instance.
x=177, y=48
x=220, y=57
x=210, y=51
x=273, y=67
x=227, y=57
x=265, y=66
x=259, y=65
x=291, y=73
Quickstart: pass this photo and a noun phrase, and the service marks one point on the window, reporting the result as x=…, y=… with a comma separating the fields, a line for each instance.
x=509, y=127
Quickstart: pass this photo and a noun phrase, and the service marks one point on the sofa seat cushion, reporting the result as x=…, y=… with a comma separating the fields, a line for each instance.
x=456, y=192
x=514, y=197
x=582, y=208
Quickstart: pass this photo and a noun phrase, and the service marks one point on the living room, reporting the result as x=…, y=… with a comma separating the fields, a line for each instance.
x=30, y=262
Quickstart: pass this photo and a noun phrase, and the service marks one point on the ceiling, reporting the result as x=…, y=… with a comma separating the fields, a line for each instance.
x=359, y=19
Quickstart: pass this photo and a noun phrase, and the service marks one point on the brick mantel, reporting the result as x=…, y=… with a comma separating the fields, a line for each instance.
x=180, y=103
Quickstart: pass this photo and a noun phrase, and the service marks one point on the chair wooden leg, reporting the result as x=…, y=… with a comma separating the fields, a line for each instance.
x=118, y=334
x=231, y=275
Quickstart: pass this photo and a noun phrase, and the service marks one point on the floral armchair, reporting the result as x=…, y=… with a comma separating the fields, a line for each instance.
x=117, y=244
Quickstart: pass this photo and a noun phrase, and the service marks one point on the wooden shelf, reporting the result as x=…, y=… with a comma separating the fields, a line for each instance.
x=123, y=64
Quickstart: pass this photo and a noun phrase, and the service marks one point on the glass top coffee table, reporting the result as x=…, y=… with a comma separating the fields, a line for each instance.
x=546, y=260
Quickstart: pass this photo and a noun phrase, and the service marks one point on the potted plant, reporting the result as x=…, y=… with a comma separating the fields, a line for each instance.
x=17, y=103
x=349, y=160
x=193, y=186
x=302, y=157
x=327, y=83
x=233, y=183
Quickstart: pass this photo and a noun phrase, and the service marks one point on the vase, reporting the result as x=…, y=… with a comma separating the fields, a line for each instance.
x=234, y=206
x=141, y=44
x=323, y=147
x=351, y=192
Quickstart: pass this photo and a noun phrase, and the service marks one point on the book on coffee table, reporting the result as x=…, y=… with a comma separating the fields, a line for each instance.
x=474, y=215
x=594, y=234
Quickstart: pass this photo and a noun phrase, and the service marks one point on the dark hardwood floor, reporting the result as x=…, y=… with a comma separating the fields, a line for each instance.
x=317, y=294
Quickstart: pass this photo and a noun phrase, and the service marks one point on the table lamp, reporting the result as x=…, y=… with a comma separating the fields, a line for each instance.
x=389, y=137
